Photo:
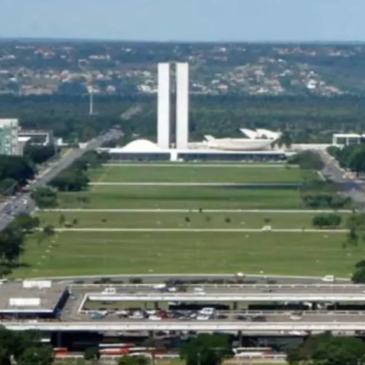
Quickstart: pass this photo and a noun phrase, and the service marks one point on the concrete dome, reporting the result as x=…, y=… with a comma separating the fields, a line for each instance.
x=141, y=145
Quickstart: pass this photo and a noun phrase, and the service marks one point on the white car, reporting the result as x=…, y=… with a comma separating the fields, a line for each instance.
x=207, y=311
x=159, y=286
x=295, y=317
x=199, y=291
x=329, y=279
x=154, y=318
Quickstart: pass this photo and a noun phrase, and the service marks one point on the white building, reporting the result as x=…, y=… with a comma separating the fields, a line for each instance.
x=182, y=105
x=164, y=105
x=345, y=139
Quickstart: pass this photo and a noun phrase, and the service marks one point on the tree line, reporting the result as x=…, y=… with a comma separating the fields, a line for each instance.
x=308, y=118
x=24, y=348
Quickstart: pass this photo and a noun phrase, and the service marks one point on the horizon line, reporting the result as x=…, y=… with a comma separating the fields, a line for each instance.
x=114, y=40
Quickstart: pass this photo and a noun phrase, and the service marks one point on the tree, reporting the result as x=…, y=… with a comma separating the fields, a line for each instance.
x=356, y=226
x=206, y=349
x=8, y=186
x=37, y=356
x=71, y=180
x=134, y=360
x=16, y=168
x=44, y=197
x=307, y=160
x=326, y=220
x=334, y=151
x=92, y=353
x=26, y=222
x=49, y=230
x=326, y=349
x=23, y=347
x=38, y=154
x=284, y=140
x=61, y=220
x=358, y=277
x=11, y=244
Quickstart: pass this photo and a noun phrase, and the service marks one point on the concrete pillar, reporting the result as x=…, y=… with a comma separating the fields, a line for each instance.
x=239, y=335
x=59, y=339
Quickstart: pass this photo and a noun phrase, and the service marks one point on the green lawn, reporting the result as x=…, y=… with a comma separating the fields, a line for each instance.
x=184, y=197
x=178, y=220
x=191, y=173
x=82, y=253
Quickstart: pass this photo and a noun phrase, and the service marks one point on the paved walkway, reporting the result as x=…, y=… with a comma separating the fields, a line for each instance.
x=277, y=211
x=190, y=165
x=226, y=184
x=202, y=230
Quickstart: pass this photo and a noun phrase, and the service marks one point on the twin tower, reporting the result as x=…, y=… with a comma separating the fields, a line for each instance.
x=164, y=110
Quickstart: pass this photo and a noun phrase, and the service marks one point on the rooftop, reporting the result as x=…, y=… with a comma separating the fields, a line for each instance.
x=15, y=298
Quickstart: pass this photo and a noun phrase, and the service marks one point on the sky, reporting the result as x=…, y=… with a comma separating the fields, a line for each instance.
x=185, y=20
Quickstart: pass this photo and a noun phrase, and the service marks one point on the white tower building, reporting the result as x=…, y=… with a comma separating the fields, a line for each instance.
x=182, y=105
x=163, y=106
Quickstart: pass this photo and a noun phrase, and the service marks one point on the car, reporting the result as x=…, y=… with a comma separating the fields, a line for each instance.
x=207, y=311
x=199, y=291
x=329, y=279
x=203, y=317
x=295, y=317
x=154, y=318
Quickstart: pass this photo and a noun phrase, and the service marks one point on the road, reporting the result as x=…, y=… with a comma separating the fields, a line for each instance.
x=23, y=202
x=332, y=171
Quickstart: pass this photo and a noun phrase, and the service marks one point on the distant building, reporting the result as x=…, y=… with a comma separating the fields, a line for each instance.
x=38, y=137
x=9, y=144
x=346, y=139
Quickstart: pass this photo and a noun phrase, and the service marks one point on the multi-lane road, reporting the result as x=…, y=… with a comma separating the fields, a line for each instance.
x=23, y=203
x=351, y=188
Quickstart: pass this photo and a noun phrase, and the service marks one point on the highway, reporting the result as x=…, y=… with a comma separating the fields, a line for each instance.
x=23, y=203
